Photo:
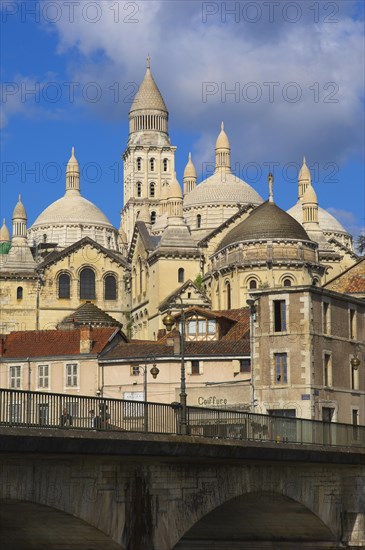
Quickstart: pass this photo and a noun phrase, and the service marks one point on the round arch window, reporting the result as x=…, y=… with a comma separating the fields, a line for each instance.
x=110, y=288
x=87, y=284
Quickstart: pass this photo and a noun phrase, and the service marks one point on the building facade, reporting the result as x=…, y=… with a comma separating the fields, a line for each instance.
x=211, y=245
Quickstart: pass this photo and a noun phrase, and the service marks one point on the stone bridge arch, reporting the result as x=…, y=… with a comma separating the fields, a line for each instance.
x=152, y=502
x=317, y=493
x=27, y=525
x=256, y=519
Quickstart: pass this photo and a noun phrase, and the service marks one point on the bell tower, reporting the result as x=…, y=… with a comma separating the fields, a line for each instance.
x=149, y=159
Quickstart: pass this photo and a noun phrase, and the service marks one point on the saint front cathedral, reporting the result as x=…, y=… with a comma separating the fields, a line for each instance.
x=206, y=244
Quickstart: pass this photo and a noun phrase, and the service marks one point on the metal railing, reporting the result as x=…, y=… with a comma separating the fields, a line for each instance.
x=49, y=410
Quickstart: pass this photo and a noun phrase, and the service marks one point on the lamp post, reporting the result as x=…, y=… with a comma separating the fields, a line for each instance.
x=154, y=371
x=251, y=303
x=169, y=322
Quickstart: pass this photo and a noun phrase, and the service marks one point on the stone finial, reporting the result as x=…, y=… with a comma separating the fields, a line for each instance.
x=270, y=179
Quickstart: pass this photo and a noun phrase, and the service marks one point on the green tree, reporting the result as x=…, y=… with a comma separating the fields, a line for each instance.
x=199, y=281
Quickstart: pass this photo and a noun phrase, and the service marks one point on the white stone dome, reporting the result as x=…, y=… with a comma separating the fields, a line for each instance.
x=222, y=188
x=71, y=218
x=327, y=222
x=72, y=209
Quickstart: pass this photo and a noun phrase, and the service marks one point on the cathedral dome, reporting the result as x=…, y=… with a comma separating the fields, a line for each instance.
x=327, y=222
x=73, y=217
x=266, y=222
x=221, y=188
x=72, y=209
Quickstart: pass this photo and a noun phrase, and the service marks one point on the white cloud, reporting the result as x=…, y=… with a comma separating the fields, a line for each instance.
x=323, y=59
x=186, y=53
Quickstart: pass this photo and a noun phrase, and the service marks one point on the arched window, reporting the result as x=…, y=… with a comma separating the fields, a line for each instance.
x=229, y=296
x=139, y=164
x=19, y=293
x=64, y=285
x=287, y=282
x=110, y=288
x=44, y=237
x=315, y=282
x=87, y=284
x=165, y=164
x=152, y=189
x=139, y=189
x=198, y=221
x=180, y=275
x=152, y=164
x=252, y=284
x=153, y=217
x=140, y=269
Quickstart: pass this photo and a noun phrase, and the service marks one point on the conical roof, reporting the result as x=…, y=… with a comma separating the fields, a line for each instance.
x=73, y=165
x=175, y=191
x=266, y=222
x=310, y=195
x=148, y=95
x=19, y=210
x=304, y=173
x=89, y=314
x=190, y=171
x=222, y=140
x=4, y=233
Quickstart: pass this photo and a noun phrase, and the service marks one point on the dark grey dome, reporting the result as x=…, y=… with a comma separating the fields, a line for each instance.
x=266, y=222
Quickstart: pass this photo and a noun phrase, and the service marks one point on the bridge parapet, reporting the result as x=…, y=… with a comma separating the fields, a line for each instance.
x=46, y=411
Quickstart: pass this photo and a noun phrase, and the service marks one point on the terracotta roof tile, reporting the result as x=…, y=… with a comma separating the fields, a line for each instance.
x=52, y=343
x=351, y=281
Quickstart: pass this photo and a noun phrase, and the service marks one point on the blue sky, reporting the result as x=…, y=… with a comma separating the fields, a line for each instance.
x=287, y=78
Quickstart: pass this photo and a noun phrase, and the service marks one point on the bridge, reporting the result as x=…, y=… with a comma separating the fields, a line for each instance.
x=130, y=481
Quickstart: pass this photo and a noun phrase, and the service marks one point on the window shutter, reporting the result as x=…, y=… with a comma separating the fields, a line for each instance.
x=188, y=367
x=201, y=367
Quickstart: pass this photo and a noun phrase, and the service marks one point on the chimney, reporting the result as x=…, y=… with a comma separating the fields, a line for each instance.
x=85, y=339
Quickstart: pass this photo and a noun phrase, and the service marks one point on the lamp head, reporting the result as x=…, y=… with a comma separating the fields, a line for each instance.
x=355, y=361
x=154, y=371
x=168, y=321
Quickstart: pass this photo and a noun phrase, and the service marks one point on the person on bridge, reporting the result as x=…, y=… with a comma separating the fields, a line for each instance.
x=66, y=419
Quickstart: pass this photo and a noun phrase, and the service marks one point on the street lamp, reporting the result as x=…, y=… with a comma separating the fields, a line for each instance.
x=169, y=322
x=251, y=303
x=154, y=371
x=355, y=361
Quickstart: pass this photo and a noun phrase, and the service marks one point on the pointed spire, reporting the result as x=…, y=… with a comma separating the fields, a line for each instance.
x=19, y=210
x=270, y=179
x=19, y=223
x=304, y=179
x=175, y=200
x=310, y=208
x=73, y=175
x=189, y=176
x=4, y=233
x=222, y=153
